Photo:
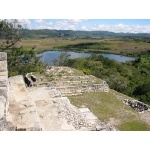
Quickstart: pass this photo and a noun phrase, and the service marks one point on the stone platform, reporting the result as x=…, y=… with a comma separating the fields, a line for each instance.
x=47, y=109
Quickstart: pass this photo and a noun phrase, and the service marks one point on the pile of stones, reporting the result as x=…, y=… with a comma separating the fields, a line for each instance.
x=71, y=114
x=79, y=120
x=3, y=89
x=136, y=105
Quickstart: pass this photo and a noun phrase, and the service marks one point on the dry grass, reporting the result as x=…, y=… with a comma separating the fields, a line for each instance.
x=116, y=45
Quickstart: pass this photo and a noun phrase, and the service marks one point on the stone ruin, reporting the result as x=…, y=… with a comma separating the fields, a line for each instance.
x=3, y=89
x=136, y=105
x=71, y=84
x=40, y=108
x=45, y=107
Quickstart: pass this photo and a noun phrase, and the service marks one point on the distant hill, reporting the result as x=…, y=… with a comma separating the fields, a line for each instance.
x=46, y=33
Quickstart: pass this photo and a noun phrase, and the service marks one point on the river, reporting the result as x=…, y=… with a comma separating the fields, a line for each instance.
x=49, y=56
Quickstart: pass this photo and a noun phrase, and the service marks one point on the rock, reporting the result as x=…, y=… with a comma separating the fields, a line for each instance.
x=2, y=124
x=3, y=66
x=3, y=56
x=3, y=91
x=2, y=109
x=3, y=81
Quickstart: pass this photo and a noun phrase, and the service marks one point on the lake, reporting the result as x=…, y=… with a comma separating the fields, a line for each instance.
x=49, y=56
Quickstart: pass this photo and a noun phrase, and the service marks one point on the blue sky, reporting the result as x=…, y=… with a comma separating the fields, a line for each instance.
x=113, y=25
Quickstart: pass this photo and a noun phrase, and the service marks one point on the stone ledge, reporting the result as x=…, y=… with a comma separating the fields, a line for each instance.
x=3, y=91
x=2, y=109
x=3, y=56
x=2, y=124
x=2, y=99
x=3, y=81
x=3, y=66
x=4, y=73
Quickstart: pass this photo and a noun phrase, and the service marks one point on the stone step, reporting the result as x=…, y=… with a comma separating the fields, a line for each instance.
x=22, y=113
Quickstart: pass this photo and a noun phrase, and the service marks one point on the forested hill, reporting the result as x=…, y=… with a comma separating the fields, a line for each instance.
x=46, y=33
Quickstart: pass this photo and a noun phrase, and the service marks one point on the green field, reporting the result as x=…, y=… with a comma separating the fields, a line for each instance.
x=107, y=107
x=114, y=45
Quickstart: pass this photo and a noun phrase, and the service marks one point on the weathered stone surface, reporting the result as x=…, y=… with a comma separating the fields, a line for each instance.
x=2, y=99
x=45, y=108
x=4, y=73
x=135, y=104
x=2, y=124
x=3, y=88
x=3, y=66
x=3, y=91
x=2, y=106
x=3, y=56
x=3, y=81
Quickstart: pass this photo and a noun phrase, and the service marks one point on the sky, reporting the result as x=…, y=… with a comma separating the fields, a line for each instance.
x=113, y=25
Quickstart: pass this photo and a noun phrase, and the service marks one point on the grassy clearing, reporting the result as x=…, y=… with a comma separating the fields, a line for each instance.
x=106, y=106
x=134, y=125
x=115, y=45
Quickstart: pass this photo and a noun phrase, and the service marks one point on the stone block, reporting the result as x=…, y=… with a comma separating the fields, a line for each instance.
x=2, y=124
x=3, y=81
x=2, y=99
x=3, y=56
x=4, y=73
x=3, y=66
x=2, y=106
x=3, y=91
x=84, y=110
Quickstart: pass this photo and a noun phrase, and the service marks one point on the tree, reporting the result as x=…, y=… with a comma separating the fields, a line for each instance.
x=62, y=59
x=20, y=60
x=9, y=33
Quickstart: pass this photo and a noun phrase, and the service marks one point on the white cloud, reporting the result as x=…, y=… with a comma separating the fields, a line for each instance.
x=67, y=24
x=26, y=23
x=85, y=28
x=78, y=24
x=122, y=28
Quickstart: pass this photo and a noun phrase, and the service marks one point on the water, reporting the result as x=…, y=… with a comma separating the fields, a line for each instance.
x=49, y=56
x=119, y=58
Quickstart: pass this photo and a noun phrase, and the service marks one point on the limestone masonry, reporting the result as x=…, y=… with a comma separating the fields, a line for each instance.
x=3, y=88
x=46, y=107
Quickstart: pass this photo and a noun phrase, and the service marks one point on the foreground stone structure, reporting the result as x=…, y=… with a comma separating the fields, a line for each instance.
x=45, y=106
x=46, y=109
x=3, y=89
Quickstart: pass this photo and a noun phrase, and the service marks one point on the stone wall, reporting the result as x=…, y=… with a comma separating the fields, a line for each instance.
x=3, y=88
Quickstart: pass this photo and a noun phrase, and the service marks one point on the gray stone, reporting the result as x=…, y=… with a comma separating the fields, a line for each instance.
x=2, y=108
x=84, y=110
x=3, y=81
x=3, y=56
x=4, y=73
x=2, y=99
x=3, y=91
x=2, y=124
x=3, y=66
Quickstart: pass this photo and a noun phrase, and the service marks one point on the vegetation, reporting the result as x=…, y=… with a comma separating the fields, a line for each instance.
x=103, y=104
x=132, y=78
x=20, y=60
x=97, y=45
x=61, y=60
x=89, y=45
x=45, y=33
x=129, y=78
x=9, y=34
